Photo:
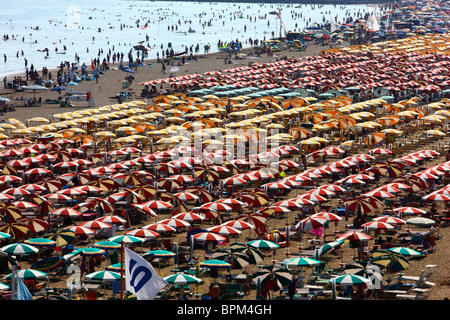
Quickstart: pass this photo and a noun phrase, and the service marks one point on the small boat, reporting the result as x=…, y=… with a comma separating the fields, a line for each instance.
x=191, y=30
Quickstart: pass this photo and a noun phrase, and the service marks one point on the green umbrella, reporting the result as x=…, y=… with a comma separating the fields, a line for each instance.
x=29, y=274
x=107, y=245
x=263, y=244
x=407, y=252
x=327, y=247
x=91, y=251
x=127, y=239
x=103, y=276
x=114, y=267
x=181, y=278
x=4, y=287
x=40, y=242
x=214, y=264
x=350, y=280
x=302, y=262
x=19, y=249
x=4, y=236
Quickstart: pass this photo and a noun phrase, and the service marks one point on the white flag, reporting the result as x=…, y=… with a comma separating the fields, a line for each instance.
x=140, y=277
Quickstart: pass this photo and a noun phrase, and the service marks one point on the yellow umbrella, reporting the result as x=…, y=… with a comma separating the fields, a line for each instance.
x=167, y=141
x=127, y=130
x=435, y=133
x=105, y=134
x=38, y=120
x=125, y=140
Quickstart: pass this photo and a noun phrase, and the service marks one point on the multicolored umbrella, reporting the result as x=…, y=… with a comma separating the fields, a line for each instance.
x=62, y=237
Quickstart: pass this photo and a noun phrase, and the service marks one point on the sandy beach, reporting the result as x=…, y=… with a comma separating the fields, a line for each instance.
x=110, y=84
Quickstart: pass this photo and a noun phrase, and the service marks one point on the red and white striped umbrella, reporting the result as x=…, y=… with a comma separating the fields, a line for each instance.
x=24, y=205
x=391, y=220
x=231, y=202
x=18, y=163
x=175, y=223
x=304, y=202
x=276, y=186
x=311, y=223
x=157, y=205
x=388, y=188
x=322, y=192
x=81, y=231
x=290, y=204
x=189, y=217
x=436, y=197
x=11, y=153
x=312, y=197
x=238, y=224
x=95, y=225
x=181, y=178
x=328, y=215
x=143, y=233
x=224, y=230
x=66, y=212
x=32, y=187
x=37, y=171
x=233, y=181
x=247, y=177
x=333, y=187
x=10, y=178
x=111, y=220
x=186, y=196
x=208, y=236
x=379, y=194
x=65, y=165
x=57, y=197
x=145, y=209
x=88, y=189
x=378, y=226
x=354, y=236
x=380, y=151
x=409, y=210
x=160, y=228
x=71, y=192
x=217, y=206
x=6, y=197
x=16, y=192
x=82, y=162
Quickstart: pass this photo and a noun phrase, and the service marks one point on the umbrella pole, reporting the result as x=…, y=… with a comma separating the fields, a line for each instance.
x=121, y=270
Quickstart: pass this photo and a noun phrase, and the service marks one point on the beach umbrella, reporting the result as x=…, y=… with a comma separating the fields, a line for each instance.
x=281, y=275
x=16, y=229
x=19, y=249
x=95, y=225
x=350, y=280
x=255, y=255
x=391, y=220
x=327, y=247
x=224, y=230
x=28, y=274
x=311, y=223
x=364, y=204
x=237, y=260
x=392, y=261
x=238, y=224
x=215, y=264
x=126, y=239
x=143, y=233
x=81, y=231
x=354, y=236
x=159, y=228
x=409, y=210
x=4, y=236
x=102, y=276
x=182, y=279
x=62, y=237
x=66, y=212
x=209, y=236
x=378, y=226
x=421, y=222
x=302, y=262
x=407, y=252
x=107, y=245
x=40, y=242
x=189, y=217
x=263, y=244
x=111, y=220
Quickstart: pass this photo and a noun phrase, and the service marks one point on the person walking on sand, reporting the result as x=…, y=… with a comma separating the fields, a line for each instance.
x=163, y=68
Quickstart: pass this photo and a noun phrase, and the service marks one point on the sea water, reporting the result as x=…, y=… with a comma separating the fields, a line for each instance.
x=83, y=27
